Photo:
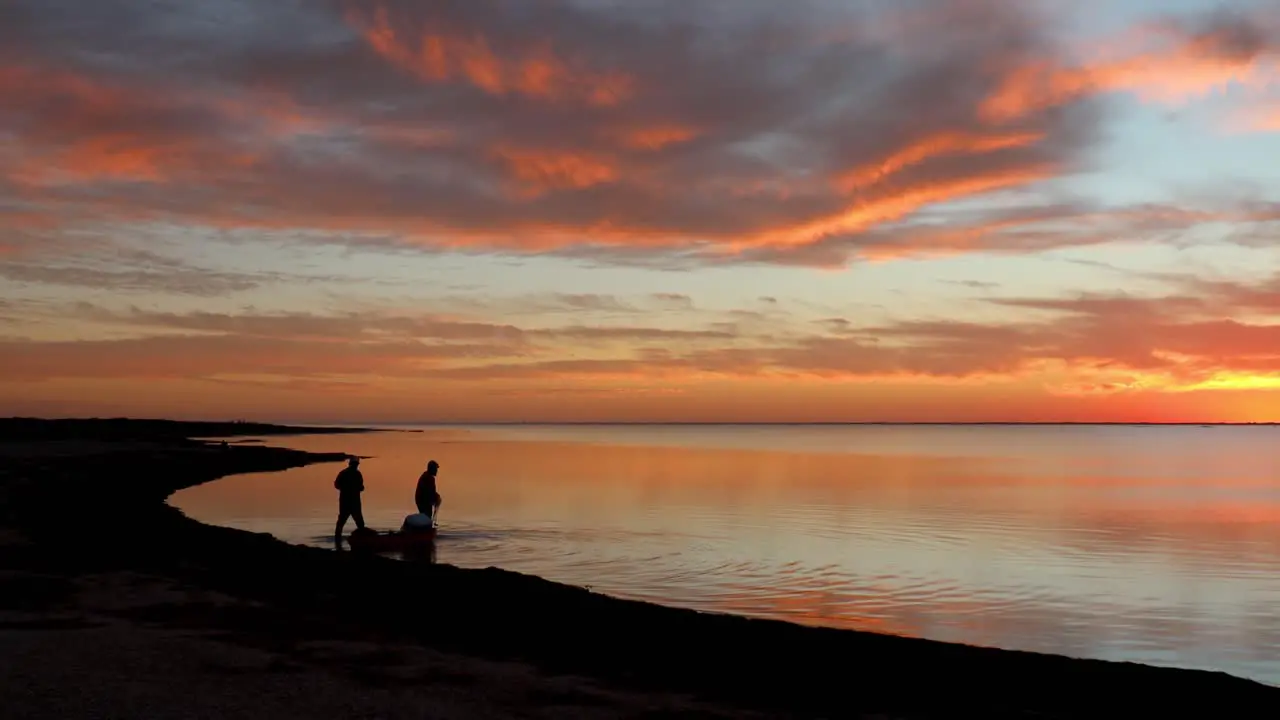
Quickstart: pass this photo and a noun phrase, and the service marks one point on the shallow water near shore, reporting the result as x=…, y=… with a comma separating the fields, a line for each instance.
x=1150, y=544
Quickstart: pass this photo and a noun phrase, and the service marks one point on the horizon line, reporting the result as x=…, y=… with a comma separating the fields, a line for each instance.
x=367, y=423
x=806, y=423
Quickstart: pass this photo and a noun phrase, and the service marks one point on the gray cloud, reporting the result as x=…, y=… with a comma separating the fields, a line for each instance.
x=376, y=327
x=355, y=326
x=678, y=127
x=634, y=334
x=179, y=281
x=194, y=357
x=660, y=135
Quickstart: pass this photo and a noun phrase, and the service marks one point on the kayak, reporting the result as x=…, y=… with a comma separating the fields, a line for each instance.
x=391, y=541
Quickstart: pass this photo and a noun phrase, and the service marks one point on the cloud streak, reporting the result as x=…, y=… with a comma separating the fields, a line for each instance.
x=1105, y=342
x=1169, y=61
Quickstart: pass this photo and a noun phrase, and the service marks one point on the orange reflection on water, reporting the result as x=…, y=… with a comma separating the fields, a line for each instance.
x=588, y=481
x=987, y=550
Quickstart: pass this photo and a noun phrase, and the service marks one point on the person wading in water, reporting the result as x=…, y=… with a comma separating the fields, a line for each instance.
x=426, y=496
x=349, y=483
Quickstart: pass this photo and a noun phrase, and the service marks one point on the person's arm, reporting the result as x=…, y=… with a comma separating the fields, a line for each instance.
x=360, y=480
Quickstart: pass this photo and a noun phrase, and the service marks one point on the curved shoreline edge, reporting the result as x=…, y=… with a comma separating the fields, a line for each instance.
x=60, y=479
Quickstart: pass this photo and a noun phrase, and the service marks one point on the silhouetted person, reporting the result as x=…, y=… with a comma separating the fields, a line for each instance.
x=426, y=496
x=349, y=483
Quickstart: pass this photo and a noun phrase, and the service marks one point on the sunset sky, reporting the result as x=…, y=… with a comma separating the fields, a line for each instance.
x=688, y=210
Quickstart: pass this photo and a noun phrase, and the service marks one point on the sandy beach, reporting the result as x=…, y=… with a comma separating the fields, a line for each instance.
x=113, y=604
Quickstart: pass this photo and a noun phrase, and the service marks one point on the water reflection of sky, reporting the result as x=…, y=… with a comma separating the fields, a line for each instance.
x=1151, y=544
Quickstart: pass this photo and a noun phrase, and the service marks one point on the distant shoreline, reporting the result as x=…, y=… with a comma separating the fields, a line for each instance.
x=298, y=593
x=123, y=428
x=222, y=428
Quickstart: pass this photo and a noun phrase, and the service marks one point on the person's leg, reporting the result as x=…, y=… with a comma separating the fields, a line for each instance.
x=348, y=507
x=357, y=512
x=342, y=519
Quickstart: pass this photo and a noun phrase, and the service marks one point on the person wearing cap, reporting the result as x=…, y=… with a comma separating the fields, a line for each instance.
x=349, y=484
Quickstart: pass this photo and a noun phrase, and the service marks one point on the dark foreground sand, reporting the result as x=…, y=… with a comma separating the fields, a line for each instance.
x=114, y=605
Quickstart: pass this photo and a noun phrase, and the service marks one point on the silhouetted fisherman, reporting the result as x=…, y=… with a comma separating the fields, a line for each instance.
x=349, y=483
x=426, y=496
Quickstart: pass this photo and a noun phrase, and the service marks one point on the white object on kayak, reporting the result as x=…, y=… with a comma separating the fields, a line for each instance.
x=418, y=521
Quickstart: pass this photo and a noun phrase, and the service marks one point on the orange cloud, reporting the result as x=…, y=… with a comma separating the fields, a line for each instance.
x=930, y=147
x=890, y=206
x=28, y=220
x=438, y=58
x=544, y=170
x=657, y=137
x=116, y=157
x=346, y=146
x=100, y=131
x=947, y=242
x=337, y=140
x=112, y=157
x=1164, y=63
x=1028, y=230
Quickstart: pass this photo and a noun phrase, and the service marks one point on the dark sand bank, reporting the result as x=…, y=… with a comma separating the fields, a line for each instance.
x=149, y=613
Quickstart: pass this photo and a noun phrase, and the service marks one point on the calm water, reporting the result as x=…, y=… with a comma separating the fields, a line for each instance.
x=1158, y=545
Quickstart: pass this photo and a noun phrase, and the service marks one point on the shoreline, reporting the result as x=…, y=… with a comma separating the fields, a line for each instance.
x=724, y=665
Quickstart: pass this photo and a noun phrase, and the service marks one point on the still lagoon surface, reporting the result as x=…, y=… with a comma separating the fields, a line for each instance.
x=1152, y=544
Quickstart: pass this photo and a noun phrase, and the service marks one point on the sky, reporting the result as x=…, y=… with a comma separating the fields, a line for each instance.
x=652, y=210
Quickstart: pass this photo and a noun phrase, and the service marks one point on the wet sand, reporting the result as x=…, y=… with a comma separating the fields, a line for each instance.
x=113, y=604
